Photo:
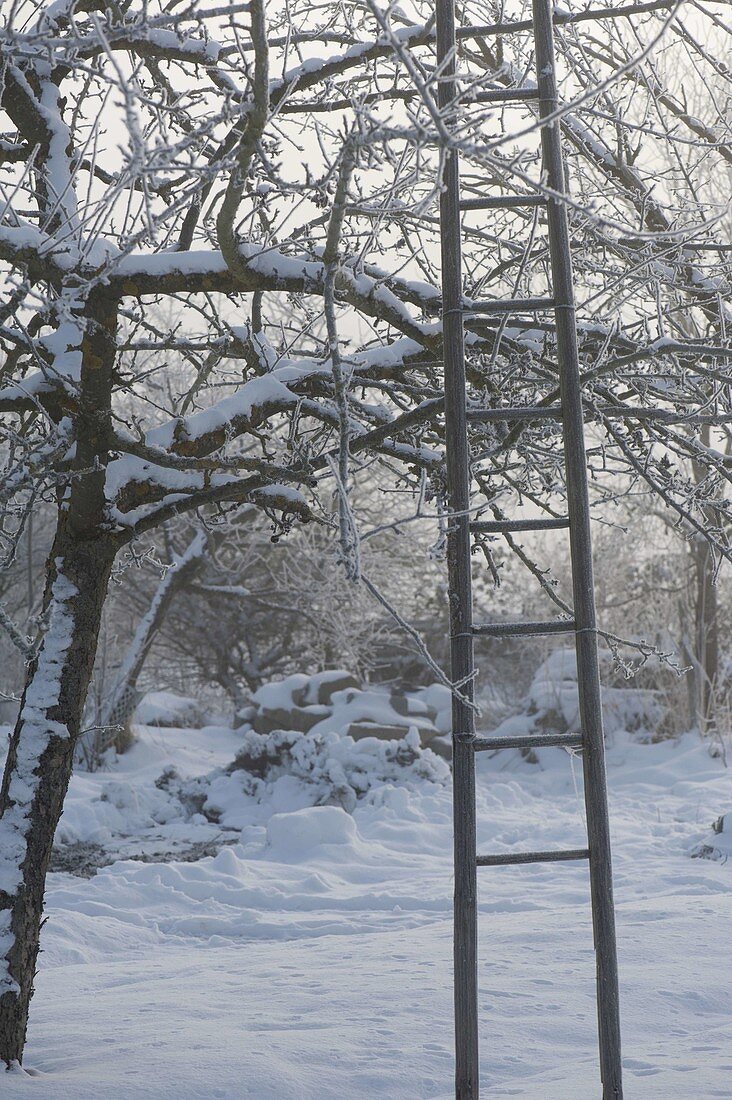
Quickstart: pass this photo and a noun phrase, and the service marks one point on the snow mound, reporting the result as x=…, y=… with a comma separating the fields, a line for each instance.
x=296, y=835
x=717, y=844
x=165, y=708
x=98, y=811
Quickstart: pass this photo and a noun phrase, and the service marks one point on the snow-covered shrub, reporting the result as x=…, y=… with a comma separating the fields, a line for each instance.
x=290, y=770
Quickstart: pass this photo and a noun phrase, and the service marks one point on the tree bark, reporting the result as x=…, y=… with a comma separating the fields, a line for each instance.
x=120, y=706
x=706, y=624
x=41, y=754
x=39, y=765
x=706, y=636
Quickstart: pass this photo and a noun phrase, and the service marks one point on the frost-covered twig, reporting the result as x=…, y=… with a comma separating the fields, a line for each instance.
x=347, y=523
x=424, y=652
x=19, y=640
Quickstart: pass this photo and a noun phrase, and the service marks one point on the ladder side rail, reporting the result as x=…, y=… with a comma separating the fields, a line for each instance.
x=459, y=578
x=581, y=553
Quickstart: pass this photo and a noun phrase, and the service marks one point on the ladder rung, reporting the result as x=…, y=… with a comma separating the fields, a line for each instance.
x=511, y=305
x=622, y=412
x=533, y=857
x=520, y=412
x=503, y=202
x=490, y=30
x=496, y=527
x=501, y=630
x=529, y=741
x=664, y=416
x=506, y=95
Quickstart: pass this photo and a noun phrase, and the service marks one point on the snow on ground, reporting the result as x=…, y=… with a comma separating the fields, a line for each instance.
x=310, y=958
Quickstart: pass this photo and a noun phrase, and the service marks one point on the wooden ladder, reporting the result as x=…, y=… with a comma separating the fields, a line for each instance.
x=462, y=628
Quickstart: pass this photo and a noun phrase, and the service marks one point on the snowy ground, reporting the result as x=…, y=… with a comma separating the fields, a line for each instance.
x=310, y=959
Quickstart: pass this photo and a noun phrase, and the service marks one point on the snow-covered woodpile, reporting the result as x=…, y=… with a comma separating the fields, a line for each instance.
x=551, y=704
x=334, y=701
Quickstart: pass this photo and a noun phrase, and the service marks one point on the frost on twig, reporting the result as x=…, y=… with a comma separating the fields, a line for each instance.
x=347, y=522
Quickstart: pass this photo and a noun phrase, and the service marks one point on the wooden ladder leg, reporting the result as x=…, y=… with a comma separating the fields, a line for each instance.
x=458, y=561
x=598, y=829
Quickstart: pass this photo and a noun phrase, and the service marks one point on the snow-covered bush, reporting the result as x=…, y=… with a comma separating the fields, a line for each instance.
x=289, y=770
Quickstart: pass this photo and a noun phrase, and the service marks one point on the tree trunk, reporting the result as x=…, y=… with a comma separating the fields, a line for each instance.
x=41, y=753
x=706, y=636
x=118, y=709
x=706, y=624
x=39, y=766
